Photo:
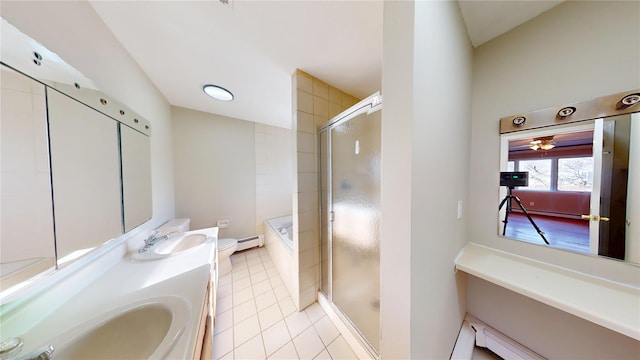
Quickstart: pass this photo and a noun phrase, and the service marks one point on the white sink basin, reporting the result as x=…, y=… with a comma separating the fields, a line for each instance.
x=173, y=246
x=185, y=243
x=142, y=330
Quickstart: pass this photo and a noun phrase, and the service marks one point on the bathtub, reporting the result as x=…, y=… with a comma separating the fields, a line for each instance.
x=282, y=228
x=278, y=240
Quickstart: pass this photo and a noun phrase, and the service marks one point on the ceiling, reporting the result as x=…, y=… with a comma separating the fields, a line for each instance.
x=560, y=140
x=253, y=47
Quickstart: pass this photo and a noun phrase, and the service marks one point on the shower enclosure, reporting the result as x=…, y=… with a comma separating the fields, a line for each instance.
x=349, y=150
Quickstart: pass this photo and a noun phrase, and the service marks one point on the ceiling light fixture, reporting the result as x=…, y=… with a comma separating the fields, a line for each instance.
x=545, y=143
x=218, y=92
x=628, y=100
x=565, y=112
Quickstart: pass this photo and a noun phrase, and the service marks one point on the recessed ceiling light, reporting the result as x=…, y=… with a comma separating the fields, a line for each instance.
x=218, y=92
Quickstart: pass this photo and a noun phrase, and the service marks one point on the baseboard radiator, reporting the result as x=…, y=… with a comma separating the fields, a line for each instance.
x=476, y=333
x=251, y=242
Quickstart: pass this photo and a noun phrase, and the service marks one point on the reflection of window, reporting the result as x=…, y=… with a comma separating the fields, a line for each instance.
x=539, y=173
x=575, y=174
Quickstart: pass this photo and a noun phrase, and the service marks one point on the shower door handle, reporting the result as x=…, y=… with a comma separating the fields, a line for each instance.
x=332, y=216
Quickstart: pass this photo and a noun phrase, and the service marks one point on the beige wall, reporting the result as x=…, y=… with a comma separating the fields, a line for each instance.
x=574, y=52
x=230, y=169
x=315, y=103
x=215, y=173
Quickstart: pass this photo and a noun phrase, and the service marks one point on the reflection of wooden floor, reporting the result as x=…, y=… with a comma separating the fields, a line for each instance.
x=563, y=233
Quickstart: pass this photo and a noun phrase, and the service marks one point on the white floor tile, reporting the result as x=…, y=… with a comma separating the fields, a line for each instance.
x=297, y=323
x=240, y=267
x=244, y=311
x=261, y=287
x=281, y=292
x=314, y=312
x=276, y=281
x=224, y=321
x=257, y=318
x=259, y=277
x=326, y=329
x=340, y=349
x=222, y=343
x=265, y=300
x=241, y=283
x=256, y=268
x=239, y=273
x=287, y=352
x=269, y=316
x=224, y=304
x=238, y=261
x=324, y=355
x=273, y=272
x=225, y=290
x=229, y=356
x=242, y=296
x=224, y=280
x=252, y=254
x=252, y=349
x=287, y=306
x=275, y=337
x=245, y=330
x=308, y=344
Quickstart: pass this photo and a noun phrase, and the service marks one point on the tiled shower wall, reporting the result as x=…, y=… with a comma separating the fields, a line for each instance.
x=314, y=103
x=273, y=173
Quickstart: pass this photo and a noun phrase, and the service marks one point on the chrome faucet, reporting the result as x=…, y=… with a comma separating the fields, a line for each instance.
x=153, y=239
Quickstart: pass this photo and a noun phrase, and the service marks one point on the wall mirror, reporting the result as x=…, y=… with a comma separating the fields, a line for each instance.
x=75, y=167
x=583, y=172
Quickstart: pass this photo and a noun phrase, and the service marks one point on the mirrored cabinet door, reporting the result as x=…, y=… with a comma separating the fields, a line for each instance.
x=26, y=220
x=85, y=168
x=136, y=177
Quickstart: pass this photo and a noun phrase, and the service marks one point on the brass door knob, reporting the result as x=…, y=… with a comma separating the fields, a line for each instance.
x=595, y=218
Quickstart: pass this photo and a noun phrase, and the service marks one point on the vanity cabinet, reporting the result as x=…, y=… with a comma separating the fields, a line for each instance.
x=85, y=170
x=202, y=348
x=25, y=185
x=76, y=173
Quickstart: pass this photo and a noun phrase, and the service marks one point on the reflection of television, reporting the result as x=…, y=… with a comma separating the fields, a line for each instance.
x=512, y=179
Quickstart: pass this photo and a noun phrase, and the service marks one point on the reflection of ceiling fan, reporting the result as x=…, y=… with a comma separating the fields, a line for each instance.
x=544, y=143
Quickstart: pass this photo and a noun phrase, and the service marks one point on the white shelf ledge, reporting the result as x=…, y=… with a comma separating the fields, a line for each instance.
x=609, y=304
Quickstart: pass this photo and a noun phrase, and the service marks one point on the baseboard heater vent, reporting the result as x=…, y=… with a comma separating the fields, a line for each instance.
x=250, y=242
x=476, y=333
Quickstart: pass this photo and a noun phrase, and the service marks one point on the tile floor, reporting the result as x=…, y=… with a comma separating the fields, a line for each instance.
x=257, y=319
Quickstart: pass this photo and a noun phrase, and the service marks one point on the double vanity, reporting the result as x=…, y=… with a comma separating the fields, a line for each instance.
x=156, y=303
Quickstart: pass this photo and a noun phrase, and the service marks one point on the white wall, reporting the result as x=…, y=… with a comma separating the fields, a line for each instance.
x=576, y=51
x=75, y=32
x=427, y=64
x=215, y=174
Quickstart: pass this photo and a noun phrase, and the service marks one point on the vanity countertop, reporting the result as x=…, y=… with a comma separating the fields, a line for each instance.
x=184, y=275
x=579, y=294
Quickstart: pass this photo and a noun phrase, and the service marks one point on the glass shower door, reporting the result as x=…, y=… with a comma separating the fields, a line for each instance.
x=355, y=229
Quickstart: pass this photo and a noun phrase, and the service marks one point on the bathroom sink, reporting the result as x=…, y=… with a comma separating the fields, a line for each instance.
x=143, y=330
x=185, y=243
x=173, y=246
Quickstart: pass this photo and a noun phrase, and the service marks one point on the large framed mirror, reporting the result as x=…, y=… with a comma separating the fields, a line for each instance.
x=75, y=166
x=582, y=190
